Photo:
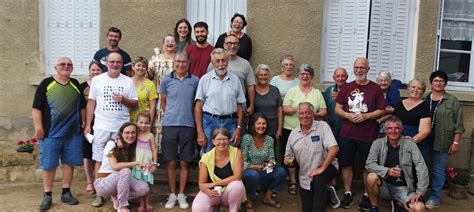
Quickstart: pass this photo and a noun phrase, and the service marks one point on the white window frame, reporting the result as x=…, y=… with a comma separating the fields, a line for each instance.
x=216, y=13
x=79, y=39
x=452, y=85
x=409, y=50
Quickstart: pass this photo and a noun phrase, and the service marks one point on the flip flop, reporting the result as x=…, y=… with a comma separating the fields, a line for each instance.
x=273, y=204
x=149, y=209
x=249, y=208
x=91, y=189
x=292, y=188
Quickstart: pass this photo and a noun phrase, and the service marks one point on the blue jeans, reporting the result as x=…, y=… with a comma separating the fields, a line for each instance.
x=210, y=123
x=272, y=181
x=439, y=161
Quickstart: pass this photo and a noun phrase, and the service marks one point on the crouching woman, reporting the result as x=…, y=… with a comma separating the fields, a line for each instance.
x=114, y=176
x=220, y=174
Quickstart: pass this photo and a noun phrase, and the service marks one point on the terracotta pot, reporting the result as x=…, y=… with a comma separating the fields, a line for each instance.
x=458, y=191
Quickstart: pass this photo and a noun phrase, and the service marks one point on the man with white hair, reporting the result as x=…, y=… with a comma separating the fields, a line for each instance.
x=218, y=101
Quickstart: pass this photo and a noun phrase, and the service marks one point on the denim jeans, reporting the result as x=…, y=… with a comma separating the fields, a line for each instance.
x=438, y=167
x=271, y=181
x=210, y=123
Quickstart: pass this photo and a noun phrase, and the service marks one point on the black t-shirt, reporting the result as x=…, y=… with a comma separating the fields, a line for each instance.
x=60, y=107
x=223, y=172
x=101, y=56
x=412, y=117
x=392, y=161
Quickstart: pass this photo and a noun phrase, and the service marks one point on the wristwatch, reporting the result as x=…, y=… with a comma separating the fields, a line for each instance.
x=455, y=142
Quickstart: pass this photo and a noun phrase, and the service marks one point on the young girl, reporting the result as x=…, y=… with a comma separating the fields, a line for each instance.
x=146, y=154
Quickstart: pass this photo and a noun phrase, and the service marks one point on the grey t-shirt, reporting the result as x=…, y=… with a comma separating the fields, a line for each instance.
x=268, y=104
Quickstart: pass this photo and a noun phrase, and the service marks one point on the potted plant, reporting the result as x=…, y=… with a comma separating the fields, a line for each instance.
x=27, y=145
x=458, y=182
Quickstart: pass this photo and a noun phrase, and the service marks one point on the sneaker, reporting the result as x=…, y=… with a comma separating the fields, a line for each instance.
x=46, y=202
x=364, y=204
x=182, y=201
x=69, y=199
x=395, y=206
x=171, y=201
x=98, y=201
x=347, y=201
x=274, y=195
x=430, y=204
x=334, y=200
x=374, y=209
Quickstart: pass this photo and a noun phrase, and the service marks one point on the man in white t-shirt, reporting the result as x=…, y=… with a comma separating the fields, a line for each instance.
x=111, y=97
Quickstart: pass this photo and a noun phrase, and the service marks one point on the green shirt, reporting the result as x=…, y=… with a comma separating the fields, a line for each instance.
x=252, y=155
x=448, y=121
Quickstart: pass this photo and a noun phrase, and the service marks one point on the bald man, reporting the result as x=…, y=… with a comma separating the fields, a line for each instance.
x=111, y=96
x=359, y=103
x=58, y=112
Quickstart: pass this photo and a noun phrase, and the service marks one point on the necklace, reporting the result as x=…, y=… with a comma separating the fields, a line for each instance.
x=435, y=109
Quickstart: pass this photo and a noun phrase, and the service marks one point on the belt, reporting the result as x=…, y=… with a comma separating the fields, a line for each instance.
x=233, y=115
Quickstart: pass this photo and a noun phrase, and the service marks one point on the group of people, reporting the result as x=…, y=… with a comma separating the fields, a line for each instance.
x=252, y=130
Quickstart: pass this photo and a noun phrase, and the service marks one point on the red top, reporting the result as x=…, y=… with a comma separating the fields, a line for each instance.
x=364, y=99
x=200, y=59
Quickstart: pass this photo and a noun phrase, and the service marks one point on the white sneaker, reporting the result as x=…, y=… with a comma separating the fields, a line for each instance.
x=182, y=201
x=171, y=201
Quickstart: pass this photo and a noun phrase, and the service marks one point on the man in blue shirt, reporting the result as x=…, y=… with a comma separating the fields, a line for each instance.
x=218, y=101
x=177, y=92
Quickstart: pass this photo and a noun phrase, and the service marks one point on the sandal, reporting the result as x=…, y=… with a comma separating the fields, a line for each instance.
x=292, y=189
x=273, y=203
x=248, y=209
x=90, y=188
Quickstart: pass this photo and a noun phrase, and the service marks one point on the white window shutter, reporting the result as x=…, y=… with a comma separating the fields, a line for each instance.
x=216, y=14
x=72, y=30
x=390, y=40
x=345, y=34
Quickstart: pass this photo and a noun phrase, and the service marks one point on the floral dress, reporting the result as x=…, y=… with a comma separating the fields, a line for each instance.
x=161, y=68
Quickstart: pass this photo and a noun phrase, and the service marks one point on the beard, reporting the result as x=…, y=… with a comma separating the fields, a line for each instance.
x=221, y=72
x=201, y=39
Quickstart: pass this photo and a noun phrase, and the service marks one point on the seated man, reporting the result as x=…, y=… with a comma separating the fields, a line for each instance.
x=313, y=146
x=390, y=166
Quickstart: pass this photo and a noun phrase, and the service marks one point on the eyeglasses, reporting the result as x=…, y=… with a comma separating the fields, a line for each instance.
x=68, y=65
x=115, y=62
x=360, y=67
x=441, y=81
x=304, y=74
x=232, y=43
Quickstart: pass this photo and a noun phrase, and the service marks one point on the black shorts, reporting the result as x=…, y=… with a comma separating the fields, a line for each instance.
x=174, y=138
x=349, y=148
x=87, y=149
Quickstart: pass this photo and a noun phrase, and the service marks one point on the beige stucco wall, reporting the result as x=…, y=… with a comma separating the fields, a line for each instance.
x=19, y=56
x=279, y=27
x=426, y=40
x=143, y=23
x=275, y=26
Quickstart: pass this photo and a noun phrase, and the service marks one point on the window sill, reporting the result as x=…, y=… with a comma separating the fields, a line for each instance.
x=465, y=97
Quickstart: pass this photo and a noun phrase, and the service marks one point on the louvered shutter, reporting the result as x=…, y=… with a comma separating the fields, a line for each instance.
x=345, y=34
x=390, y=42
x=72, y=30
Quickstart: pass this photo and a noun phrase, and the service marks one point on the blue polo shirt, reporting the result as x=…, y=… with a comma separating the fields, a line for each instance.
x=179, y=100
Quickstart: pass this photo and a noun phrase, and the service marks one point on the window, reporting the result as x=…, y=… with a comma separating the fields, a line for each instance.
x=380, y=30
x=71, y=28
x=216, y=13
x=455, y=49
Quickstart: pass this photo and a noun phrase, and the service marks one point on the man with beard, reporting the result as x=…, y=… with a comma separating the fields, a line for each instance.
x=113, y=38
x=199, y=52
x=359, y=103
x=218, y=102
